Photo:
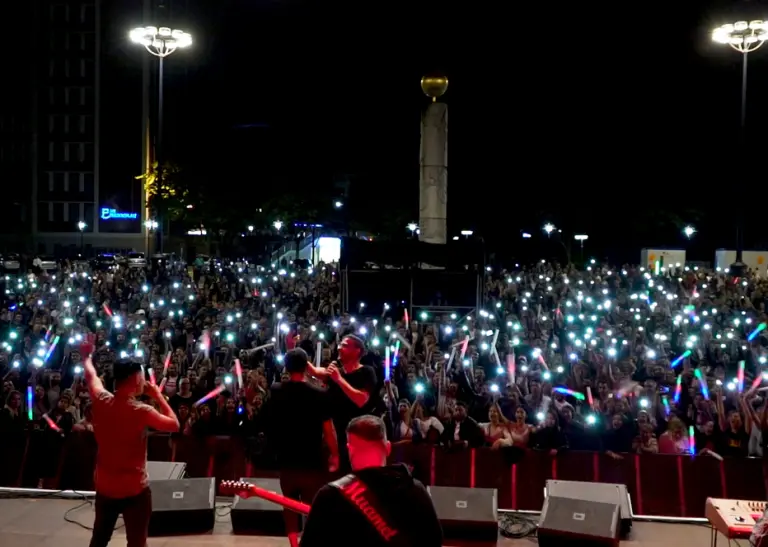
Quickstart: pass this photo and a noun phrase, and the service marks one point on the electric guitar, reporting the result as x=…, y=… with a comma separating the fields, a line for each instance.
x=247, y=490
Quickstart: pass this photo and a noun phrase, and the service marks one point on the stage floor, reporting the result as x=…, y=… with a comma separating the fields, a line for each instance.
x=40, y=523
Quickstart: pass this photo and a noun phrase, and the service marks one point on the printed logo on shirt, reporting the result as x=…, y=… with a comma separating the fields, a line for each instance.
x=355, y=493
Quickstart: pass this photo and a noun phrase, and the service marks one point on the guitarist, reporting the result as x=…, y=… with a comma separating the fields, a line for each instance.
x=376, y=505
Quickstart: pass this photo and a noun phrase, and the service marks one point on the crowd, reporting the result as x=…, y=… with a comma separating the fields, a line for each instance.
x=622, y=360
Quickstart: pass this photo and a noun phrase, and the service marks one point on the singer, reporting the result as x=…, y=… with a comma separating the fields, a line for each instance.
x=351, y=390
x=377, y=505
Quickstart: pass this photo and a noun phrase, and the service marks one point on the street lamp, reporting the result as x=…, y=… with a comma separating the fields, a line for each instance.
x=549, y=228
x=338, y=204
x=745, y=37
x=81, y=226
x=581, y=238
x=160, y=42
x=250, y=228
x=689, y=231
x=278, y=224
x=151, y=225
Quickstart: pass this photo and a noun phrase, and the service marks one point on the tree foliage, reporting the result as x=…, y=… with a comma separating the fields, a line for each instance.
x=167, y=195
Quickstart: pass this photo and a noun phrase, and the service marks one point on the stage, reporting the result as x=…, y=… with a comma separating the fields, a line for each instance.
x=40, y=523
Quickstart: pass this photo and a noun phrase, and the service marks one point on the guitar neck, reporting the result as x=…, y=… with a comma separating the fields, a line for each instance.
x=274, y=497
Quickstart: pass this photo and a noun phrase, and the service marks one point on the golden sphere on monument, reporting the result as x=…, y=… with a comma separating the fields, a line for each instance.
x=434, y=85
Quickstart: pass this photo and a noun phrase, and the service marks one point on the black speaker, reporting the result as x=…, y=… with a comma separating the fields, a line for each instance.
x=258, y=517
x=467, y=513
x=569, y=522
x=602, y=492
x=184, y=506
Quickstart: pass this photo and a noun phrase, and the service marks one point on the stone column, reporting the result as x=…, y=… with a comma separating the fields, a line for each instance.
x=433, y=183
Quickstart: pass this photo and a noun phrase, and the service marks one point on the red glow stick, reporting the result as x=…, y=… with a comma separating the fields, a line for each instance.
x=211, y=395
x=106, y=309
x=511, y=367
x=590, y=400
x=239, y=373
x=464, y=347
x=51, y=423
x=543, y=362
x=152, y=377
x=167, y=362
x=407, y=322
x=757, y=381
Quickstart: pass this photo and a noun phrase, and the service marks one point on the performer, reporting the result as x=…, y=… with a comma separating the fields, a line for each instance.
x=120, y=425
x=298, y=418
x=351, y=388
x=377, y=505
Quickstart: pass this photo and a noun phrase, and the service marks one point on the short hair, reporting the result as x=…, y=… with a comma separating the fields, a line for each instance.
x=357, y=341
x=124, y=369
x=296, y=361
x=368, y=428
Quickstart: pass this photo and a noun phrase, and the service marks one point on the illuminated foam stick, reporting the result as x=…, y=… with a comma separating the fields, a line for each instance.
x=211, y=395
x=756, y=332
x=167, y=362
x=464, y=346
x=152, y=379
x=543, y=362
x=403, y=340
x=264, y=346
x=667, y=410
x=239, y=373
x=494, y=351
x=565, y=391
x=108, y=311
x=51, y=423
x=590, y=400
x=678, y=389
x=397, y=354
x=757, y=381
x=691, y=440
x=511, y=367
x=51, y=348
x=407, y=319
x=681, y=358
x=702, y=384
x=30, y=394
x=387, y=370
x=741, y=375
x=319, y=354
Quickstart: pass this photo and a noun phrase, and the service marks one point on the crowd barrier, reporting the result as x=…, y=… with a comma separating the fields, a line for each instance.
x=659, y=485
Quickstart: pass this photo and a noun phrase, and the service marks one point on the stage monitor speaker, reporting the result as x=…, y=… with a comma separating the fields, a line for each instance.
x=602, y=492
x=467, y=513
x=165, y=470
x=258, y=517
x=184, y=506
x=570, y=522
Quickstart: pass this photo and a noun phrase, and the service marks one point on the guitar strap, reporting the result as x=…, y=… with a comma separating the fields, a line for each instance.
x=368, y=505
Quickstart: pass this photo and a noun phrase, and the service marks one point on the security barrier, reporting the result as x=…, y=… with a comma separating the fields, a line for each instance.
x=659, y=485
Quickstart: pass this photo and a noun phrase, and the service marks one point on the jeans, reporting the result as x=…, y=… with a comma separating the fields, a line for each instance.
x=301, y=485
x=136, y=512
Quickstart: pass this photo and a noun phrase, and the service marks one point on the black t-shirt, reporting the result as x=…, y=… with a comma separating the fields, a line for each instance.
x=344, y=410
x=405, y=506
x=736, y=444
x=295, y=414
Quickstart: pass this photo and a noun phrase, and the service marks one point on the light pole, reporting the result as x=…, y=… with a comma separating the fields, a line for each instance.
x=549, y=228
x=745, y=37
x=151, y=226
x=581, y=238
x=689, y=231
x=160, y=42
x=81, y=226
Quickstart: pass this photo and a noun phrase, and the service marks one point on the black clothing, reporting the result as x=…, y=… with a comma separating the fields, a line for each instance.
x=136, y=512
x=294, y=417
x=618, y=440
x=735, y=444
x=302, y=485
x=334, y=520
x=344, y=410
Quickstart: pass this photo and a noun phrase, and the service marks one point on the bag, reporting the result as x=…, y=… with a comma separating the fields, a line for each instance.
x=366, y=502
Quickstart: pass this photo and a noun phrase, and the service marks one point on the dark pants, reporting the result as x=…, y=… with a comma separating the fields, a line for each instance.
x=302, y=485
x=136, y=511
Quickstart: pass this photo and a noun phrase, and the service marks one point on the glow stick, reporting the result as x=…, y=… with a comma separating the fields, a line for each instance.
x=543, y=362
x=30, y=394
x=51, y=348
x=464, y=346
x=680, y=359
x=702, y=384
x=511, y=367
x=667, y=410
x=167, y=362
x=407, y=320
x=590, y=400
x=319, y=354
x=152, y=379
x=264, y=346
x=206, y=342
x=741, y=375
x=386, y=364
x=51, y=423
x=757, y=381
x=210, y=395
x=678, y=389
x=403, y=340
x=397, y=354
x=450, y=360
x=565, y=391
x=239, y=373
x=754, y=333
x=691, y=440
x=106, y=309
x=48, y=332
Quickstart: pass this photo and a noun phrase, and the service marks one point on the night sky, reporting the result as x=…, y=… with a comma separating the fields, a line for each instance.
x=621, y=123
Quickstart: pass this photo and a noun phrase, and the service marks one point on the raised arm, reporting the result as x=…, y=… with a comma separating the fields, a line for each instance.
x=92, y=380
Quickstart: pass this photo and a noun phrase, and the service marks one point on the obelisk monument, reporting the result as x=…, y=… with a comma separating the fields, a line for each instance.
x=433, y=182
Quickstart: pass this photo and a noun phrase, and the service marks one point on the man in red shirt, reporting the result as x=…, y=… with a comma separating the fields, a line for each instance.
x=120, y=425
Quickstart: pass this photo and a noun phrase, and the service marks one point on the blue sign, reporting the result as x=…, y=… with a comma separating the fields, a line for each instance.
x=109, y=214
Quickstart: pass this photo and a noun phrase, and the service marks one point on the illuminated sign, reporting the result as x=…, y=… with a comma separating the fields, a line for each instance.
x=109, y=214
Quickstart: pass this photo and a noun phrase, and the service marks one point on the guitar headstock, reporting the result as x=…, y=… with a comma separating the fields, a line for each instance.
x=241, y=489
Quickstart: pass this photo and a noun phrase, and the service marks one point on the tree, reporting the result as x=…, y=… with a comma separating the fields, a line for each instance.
x=167, y=195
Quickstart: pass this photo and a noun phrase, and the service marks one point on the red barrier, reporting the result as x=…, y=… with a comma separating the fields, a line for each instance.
x=673, y=486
